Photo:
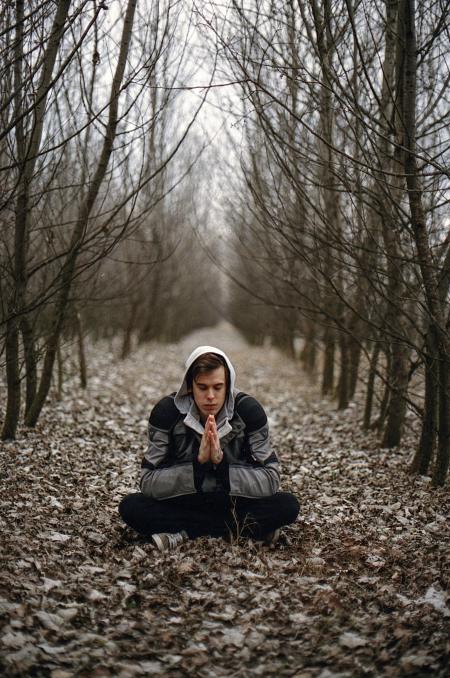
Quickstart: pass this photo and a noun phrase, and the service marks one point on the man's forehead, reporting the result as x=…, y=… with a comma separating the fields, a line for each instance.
x=217, y=376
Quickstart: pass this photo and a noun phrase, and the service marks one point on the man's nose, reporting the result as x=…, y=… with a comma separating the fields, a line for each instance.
x=210, y=395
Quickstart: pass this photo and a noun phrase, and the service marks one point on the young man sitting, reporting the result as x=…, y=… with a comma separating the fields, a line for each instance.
x=209, y=469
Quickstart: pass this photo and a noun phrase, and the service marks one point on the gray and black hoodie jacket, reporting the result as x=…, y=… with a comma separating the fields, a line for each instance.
x=170, y=468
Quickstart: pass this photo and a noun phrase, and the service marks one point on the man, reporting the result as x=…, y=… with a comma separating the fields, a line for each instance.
x=209, y=469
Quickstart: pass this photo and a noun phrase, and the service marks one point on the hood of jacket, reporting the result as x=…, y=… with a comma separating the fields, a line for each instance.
x=184, y=401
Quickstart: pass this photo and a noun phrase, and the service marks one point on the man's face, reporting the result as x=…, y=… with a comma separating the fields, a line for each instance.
x=209, y=390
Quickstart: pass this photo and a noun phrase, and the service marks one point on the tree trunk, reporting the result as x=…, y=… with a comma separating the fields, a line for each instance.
x=322, y=18
x=12, y=380
x=328, y=366
x=60, y=372
x=309, y=351
x=398, y=379
x=19, y=268
x=128, y=331
x=81, y=351
x=30, y=361
x=371, y=385
x=378, y=424
x=443, y=450
x=342, y=389
x=354, y=350
x=425, y=450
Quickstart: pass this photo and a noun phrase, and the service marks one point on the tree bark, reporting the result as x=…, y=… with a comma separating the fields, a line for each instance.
x=378, y=424
x=354, y=349
x=30, y=361
x=398, y=378
x=12, y=380
x=371, y=385
x=343, y=382
x=328, y=366
x=60, y=372
x=443, y=450
x=81, y=351
x=427, y=443
x=128, y=331
x=309, y=351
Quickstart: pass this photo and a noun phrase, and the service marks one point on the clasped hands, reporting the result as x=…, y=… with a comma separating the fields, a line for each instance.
x=210, y=449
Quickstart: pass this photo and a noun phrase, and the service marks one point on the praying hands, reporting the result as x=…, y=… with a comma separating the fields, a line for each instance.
x=210, y=449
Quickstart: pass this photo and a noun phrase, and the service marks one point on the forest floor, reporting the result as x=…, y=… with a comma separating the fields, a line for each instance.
x=356, y=587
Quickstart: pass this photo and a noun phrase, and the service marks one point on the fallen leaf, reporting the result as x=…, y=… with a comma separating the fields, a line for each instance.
x=351, y=640
x=49, y=620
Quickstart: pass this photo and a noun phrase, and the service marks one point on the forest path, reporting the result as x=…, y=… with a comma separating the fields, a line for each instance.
x=224, y=336
x=355, y=587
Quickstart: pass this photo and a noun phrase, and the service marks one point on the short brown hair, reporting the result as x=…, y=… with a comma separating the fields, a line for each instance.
x=207, y=362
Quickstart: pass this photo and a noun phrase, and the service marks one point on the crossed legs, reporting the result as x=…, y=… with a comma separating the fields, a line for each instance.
x=214, y=515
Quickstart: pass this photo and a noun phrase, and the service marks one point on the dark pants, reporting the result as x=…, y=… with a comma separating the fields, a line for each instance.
x=214, y=515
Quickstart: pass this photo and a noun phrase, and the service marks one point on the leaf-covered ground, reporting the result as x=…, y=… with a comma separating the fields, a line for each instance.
x=356, y=587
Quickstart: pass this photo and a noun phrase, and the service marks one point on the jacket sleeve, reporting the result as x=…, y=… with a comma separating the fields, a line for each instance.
x=161, y=477
x=259, y=475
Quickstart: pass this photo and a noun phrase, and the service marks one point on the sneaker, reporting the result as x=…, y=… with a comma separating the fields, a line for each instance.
x=271, y=538
x=165, y=541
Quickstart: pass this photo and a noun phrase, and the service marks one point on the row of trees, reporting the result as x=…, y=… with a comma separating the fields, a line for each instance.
x=94, y=124
x=339, y=217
